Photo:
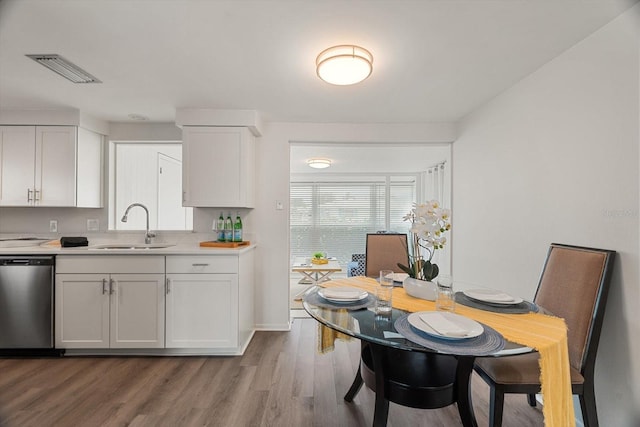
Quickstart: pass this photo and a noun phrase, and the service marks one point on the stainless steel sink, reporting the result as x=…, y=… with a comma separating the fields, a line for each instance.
x=130, y=246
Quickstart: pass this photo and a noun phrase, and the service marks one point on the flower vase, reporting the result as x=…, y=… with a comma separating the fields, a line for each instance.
x=420, y=288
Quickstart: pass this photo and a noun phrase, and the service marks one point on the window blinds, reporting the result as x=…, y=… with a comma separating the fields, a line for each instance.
x=334, y=217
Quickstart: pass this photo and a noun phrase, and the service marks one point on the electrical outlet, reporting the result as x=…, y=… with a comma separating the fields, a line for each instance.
x=53, y=226
x=93, y=225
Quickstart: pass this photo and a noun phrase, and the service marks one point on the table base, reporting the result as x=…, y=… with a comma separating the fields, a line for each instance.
x=414, y=379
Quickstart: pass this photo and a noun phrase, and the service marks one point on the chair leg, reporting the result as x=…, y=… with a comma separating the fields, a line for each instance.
x=588, y=406
x=496, y=405
x=531, y=398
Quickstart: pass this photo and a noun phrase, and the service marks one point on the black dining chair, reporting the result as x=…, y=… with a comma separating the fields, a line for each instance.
x=574, y=285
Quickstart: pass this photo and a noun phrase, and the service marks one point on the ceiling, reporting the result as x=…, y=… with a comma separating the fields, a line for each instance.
x=375, y=159
x=434, y=60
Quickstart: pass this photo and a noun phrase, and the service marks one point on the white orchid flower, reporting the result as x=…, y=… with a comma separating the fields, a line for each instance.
x=429, y=221
x=442, y=214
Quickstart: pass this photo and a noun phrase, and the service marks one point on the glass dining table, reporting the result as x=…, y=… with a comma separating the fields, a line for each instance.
x=408, y=372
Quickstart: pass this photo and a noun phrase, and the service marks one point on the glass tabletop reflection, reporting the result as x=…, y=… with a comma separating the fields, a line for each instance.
x=368, y=325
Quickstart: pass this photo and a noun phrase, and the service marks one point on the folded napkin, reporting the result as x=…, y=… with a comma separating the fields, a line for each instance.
x=490, y=296
x=443, y=326
x=340, y=293
x=500, y=298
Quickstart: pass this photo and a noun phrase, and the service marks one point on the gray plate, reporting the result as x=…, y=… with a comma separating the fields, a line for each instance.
x=315, y=299
x=485, y=344
x=521, y=308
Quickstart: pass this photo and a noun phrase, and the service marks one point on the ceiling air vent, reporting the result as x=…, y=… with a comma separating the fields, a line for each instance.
x=65, y=68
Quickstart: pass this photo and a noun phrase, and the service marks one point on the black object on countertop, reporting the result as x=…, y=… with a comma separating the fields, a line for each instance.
x=72, y=242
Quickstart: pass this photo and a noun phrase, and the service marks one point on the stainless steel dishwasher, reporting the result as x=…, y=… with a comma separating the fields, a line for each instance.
x=26, y=302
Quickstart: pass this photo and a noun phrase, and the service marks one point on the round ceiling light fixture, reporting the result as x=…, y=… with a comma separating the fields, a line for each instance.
x=319, y=163
x=344, y=64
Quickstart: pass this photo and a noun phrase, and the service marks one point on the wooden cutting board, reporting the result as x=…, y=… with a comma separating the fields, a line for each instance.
x=215, y=244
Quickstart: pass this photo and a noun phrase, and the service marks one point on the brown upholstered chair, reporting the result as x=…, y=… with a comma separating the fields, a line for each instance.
x=384, y=252
x=574, y=285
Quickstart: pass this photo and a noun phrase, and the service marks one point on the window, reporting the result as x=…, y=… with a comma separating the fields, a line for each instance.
x=151, y=174
x=335, y=216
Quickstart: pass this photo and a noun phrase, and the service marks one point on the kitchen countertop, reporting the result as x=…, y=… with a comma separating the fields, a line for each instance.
x=181, y=244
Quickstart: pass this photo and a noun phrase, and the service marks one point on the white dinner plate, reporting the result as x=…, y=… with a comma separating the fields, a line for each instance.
x=343, y=294
x=492, y=296
x=445, y=325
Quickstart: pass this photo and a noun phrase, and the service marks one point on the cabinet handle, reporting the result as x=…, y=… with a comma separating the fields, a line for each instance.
x=29, y=191
x=168, y=286
x=112, y=286
x=36, y=195
x=200, y=265
x=104, y=286
x=184, y=196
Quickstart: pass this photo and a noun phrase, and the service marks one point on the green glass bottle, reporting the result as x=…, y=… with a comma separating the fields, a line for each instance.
x=220, y=228
x=228, y=229
x=237, y=229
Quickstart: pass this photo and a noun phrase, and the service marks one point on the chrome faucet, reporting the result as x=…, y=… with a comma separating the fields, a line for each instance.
x=148, y=235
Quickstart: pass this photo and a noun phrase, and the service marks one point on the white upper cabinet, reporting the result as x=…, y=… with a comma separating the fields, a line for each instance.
x=17, y=165
x=218, y=166
x=50, y=166
x=89, y=188
x=55, y=169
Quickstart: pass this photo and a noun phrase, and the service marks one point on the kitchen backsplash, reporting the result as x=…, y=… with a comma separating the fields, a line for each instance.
x=74, y=221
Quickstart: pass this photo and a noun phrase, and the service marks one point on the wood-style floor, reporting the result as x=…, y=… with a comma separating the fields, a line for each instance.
x=280, y=381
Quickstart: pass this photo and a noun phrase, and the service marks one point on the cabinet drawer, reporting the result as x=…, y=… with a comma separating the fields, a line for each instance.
x=202, y=264
x=110, y=264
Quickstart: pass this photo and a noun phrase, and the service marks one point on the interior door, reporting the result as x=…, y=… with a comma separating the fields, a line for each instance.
x=171, y=214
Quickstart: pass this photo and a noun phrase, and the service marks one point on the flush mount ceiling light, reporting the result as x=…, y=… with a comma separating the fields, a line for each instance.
x=319, y=163
x=344, y=65
x=65, y=68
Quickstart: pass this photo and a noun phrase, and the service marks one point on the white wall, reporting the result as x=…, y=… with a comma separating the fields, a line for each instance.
x=272, y=226
x=555, y=159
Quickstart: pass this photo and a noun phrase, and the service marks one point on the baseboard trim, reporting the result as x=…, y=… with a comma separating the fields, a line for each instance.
x=274, y=327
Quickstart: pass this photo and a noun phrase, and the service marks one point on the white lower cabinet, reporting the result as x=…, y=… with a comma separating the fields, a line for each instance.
x=202, y=302
x=109, y=310
x=202, y=310
x=162, y=305
x=210, y=302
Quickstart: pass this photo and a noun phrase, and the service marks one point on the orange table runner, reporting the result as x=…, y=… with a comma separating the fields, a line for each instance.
x=547, y=334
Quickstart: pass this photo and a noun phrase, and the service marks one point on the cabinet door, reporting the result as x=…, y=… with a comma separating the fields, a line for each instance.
x=82, y=311
x=202, y=311
x=137, y=311
x=55, y=172
x=89, y=170
x=217, y=166
x=17, y=165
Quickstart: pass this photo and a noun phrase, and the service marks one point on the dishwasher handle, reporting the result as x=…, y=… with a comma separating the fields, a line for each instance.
x=26, y=261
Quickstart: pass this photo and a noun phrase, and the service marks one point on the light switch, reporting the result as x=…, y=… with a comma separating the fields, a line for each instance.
x=279, y=205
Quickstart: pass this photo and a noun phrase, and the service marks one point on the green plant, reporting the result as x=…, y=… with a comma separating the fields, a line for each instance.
x=428, y=223
x=318, y=255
